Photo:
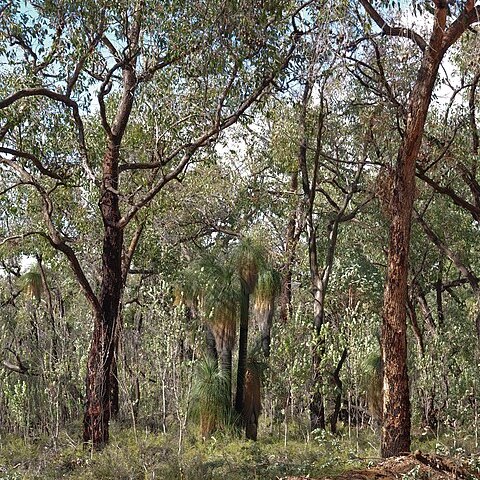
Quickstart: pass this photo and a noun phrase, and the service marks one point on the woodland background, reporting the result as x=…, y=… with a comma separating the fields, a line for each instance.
x=211, y=186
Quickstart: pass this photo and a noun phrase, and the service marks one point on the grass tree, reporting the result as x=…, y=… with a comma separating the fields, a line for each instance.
x=220, y=304
x=252, y=394
x=267, y=290
x=211, y=286
x=249, y=258
x=211, y=397
x=32, y=284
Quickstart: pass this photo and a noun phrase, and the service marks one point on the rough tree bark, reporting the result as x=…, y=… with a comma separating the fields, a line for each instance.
x=102, y=349
x=396, y=401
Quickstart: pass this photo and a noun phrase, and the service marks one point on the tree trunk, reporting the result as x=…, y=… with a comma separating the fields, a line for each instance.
x=225, y=364
x=102, y=349
x=252, y=403
x=317, y=407
x=210, y=343
x=242, y=348
x=290, y=247
x=396, y=401
x=114, y=387
x=339, y=388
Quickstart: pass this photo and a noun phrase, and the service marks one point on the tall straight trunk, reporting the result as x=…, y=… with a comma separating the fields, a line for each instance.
x=317, y=407
x=242, y=348
x=114, y=387
x=396, y=401
x=102, y=349
x=339, y=387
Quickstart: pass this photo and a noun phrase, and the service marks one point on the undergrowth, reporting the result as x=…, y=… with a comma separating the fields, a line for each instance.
x=133, y=455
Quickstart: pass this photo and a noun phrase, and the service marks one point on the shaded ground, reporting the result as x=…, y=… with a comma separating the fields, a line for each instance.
x=417, y=465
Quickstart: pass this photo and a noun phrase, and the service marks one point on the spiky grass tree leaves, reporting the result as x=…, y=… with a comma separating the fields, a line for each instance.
x=32, y=284
x=268, y=288
x=212, y=285
x=219, y=293
x=250, y=257
x=220, y=285
x=211, y=398
x=372, y=381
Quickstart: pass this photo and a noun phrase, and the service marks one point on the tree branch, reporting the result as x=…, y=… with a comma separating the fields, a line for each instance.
x=33, y=159
x=457, y=199
x=190, y=149
x=393, y=31
x=469, y=16
x=453, y=256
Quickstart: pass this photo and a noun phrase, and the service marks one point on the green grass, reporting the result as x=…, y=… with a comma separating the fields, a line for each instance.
x=155, y=456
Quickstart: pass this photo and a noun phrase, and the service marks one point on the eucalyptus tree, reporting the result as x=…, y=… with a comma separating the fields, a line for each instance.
x=330, y=174
x=168, y=79
x=448, y=165
x=444, y=32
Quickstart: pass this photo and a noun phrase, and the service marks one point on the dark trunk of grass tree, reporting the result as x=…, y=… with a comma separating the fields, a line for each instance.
x=396, y=401
x=339, y=388
x=210, y=343
x=242, y=348
x=225, y=365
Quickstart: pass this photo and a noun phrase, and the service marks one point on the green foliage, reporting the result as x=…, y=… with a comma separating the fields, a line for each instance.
x=235, y=199
x=372, y=384
x=250, y=257
x=267, y=288
x=223, y=456
x=155, y=456
x=32, y=284
x=211, y=397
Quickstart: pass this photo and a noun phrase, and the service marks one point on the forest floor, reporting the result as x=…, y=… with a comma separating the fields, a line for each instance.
x=144, y=455
x=417, y=465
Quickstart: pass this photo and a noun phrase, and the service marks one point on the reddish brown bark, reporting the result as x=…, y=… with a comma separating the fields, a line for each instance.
x=396, y=402
x=104, y=342
x=252, y=403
